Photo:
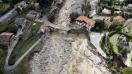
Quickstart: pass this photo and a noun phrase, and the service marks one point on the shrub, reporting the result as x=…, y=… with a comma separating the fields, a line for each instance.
x=86, y=8
x=51, y=17
x=127, y=70
x=99, y=25
x=116, y=26
x=73, y=16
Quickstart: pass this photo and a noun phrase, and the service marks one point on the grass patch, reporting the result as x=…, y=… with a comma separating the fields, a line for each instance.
x=128, y=28
x=28, y=38
x=24, y=66
x=113, y=41
x=3, y=53
x=3, y=8
x=8, y=27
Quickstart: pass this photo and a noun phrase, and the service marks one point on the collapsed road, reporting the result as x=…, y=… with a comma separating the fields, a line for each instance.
x=68, y=53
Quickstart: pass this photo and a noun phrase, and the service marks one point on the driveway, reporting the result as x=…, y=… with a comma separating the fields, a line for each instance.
x=95, y=40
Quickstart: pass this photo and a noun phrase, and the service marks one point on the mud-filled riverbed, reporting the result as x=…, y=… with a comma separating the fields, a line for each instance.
x=65, y=54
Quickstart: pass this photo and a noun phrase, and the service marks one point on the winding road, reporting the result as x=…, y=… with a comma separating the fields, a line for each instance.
x=10, y=50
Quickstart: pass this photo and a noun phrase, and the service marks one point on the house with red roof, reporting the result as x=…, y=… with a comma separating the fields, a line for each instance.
x=6, y=38
x=84, y=21
x=119, y=19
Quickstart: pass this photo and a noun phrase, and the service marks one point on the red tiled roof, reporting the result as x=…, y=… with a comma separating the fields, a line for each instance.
x=119, y=18
x=85, y=20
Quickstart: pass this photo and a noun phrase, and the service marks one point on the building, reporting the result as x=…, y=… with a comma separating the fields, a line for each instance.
x=22, y=5
x=119, y=19
x=83, y=21
x=6, y=38
x=20, y=22
x=33, y=15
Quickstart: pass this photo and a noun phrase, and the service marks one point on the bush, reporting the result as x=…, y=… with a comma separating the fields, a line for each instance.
x=86, y=8
x=116, y=26
x=51, y=17
x=127, y=70
x=73, y=16
x=99, y=25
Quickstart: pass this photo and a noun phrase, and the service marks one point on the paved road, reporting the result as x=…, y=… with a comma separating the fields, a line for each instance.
x=11, y=47
x=95, y=40
x=10, y=50
x=128, y=22
x=8, y=67
x=8, y=16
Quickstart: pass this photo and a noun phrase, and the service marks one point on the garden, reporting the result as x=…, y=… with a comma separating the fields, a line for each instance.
x=116, y=55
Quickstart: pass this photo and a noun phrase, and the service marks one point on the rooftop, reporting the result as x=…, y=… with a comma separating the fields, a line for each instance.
x=119, y=18
x=86, y=20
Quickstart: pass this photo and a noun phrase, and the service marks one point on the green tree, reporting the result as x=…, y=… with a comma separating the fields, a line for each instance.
x=86, y=8
x=45, y=3
x=73, y=16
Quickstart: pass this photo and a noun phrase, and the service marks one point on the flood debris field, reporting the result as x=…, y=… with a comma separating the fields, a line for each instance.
x=65, y=54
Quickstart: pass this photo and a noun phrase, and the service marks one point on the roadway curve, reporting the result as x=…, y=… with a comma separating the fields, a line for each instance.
x=128, y=22
x=10, y=50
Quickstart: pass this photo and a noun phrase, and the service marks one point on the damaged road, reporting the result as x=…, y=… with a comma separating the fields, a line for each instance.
x=68, y=54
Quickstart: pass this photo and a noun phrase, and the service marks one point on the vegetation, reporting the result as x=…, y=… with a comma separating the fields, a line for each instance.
x=73, y=16
x=23, y=67
x=99, y=25
x=116, y=26
x=3, y=52
x=12, y=2
x=28, y=38
x=113, y=41
x=116, y=54
x=127, y=70
x=45, y=3
x=128, y=1
x=51, y=17
x=9, y=27
x=86, y=8
x=3, y=8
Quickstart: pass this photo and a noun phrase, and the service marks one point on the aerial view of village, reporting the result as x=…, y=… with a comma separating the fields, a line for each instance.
x=65, y=36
